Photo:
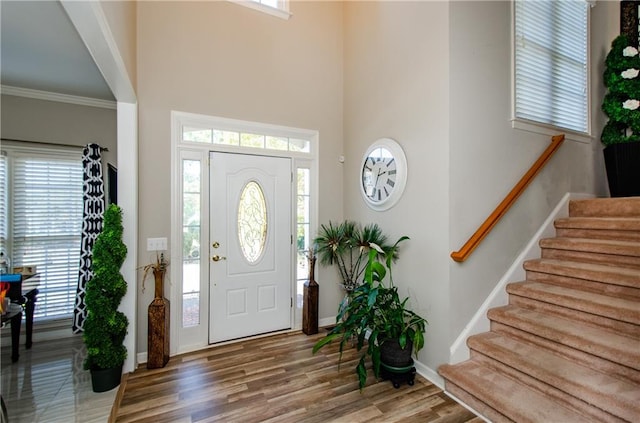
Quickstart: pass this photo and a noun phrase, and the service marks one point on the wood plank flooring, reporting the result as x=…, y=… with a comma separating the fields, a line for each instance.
x=277, y=379
x=49, y=385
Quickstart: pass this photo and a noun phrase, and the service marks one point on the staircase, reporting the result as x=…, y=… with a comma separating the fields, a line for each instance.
x=567, y=347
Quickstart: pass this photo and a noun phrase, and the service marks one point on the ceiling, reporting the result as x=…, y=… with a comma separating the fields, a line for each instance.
x=41, y=50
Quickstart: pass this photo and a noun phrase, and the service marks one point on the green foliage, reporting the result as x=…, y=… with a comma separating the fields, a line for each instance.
x=374, y=313
x=105, y=327
x=346, y=245
x=624, y=122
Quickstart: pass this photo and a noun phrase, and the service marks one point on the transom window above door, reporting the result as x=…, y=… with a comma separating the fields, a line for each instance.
x=278, y=8
x=244, y=139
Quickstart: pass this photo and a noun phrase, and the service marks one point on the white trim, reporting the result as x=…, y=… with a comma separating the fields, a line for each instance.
x=127, y=134
x=327, y=321
x=91, y=23
x=237, y=125
x=479, y=323
x=182, y=339
x=429, y=374
x=539, y=127
x=550, y=130
x=61, y=98
x=282, y=13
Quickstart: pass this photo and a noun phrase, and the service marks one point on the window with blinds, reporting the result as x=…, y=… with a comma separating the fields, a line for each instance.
x=46, y=225
x=3, y=201
x=551, y=69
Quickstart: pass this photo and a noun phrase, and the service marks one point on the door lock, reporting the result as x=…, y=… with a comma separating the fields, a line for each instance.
x=218, y=258
x=216, y=244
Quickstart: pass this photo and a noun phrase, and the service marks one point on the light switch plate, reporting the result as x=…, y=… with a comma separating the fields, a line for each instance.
x=156, y=244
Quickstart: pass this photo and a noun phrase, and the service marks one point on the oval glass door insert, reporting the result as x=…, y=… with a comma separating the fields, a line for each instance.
x=252, y=221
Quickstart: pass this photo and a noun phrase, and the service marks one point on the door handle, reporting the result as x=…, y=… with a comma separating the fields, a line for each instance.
x=218, y=258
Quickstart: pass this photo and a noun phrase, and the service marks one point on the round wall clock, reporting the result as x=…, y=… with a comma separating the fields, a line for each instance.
x=383, y=174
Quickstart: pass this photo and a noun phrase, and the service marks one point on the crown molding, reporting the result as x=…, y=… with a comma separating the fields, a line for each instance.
x=62, y=98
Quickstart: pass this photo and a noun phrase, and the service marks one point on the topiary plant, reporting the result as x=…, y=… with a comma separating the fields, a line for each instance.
x=622, y=102
x=105, y=326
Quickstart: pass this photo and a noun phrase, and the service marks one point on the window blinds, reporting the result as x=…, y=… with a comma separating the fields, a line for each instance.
x=551, y=63
x=3, y=201
x=47, y=225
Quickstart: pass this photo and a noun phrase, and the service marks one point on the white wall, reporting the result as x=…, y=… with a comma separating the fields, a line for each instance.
x=396, y=85
x=223, y=59
x=488, y=157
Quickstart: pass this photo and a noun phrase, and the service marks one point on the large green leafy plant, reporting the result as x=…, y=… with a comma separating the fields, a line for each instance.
x=375, y=314
x=346, y=245
x=622, y=102
x=105, y=327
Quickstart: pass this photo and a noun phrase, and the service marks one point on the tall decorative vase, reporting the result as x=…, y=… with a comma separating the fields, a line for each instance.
x=158, y=330
x=310, y=301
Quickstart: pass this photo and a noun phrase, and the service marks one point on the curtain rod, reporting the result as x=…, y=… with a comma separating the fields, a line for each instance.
x=50, y=143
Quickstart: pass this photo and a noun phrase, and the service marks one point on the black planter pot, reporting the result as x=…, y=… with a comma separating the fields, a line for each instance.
x=103, y=380
x=393, y=355
x=623, y=169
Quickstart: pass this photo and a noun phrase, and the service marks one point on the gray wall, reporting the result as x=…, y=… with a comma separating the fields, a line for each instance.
x=436, y=76
x=59, y=123
x=223, y=59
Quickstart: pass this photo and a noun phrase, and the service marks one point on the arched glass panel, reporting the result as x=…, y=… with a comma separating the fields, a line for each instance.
x=252, y=221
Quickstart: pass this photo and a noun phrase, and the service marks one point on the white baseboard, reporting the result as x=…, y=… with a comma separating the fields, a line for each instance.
x=327, y=321
x=429, y=374
x=479, y=323
x=141, y=358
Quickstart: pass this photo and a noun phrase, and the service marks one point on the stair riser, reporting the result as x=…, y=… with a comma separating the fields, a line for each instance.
x=594, y=413
x=617, y=348
x=590, y=257
x=586, y=285
x=623, y=310
x=581, y=357
x=620, y=235
x=605, y=207
x=607, y=323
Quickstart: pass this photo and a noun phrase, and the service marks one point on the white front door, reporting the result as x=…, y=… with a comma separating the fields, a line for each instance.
x=251, y=248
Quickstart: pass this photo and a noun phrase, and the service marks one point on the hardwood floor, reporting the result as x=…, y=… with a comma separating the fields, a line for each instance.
x=48, y=384
x=276, y=379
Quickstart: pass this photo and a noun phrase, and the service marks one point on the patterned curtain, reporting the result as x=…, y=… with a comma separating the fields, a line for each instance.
x=91, y=226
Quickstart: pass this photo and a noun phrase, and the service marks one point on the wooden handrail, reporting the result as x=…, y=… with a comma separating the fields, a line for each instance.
x=466, y=250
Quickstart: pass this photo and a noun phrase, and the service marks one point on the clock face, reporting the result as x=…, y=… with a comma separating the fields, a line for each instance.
x=383, y=174
x=379, y=174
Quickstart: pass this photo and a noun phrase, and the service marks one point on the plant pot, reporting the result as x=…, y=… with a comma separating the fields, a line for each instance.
x=103, y=380
x=393, y=356
x=622, y=162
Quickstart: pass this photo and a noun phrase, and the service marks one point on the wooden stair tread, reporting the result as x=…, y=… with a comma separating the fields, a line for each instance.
x=616, y=396
x=623, y=276
x=515, y=400
x=593, y=340
x=604, y=246
x=611, y=307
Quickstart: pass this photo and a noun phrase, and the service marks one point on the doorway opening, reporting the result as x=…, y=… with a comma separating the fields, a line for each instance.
x=228, y=176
